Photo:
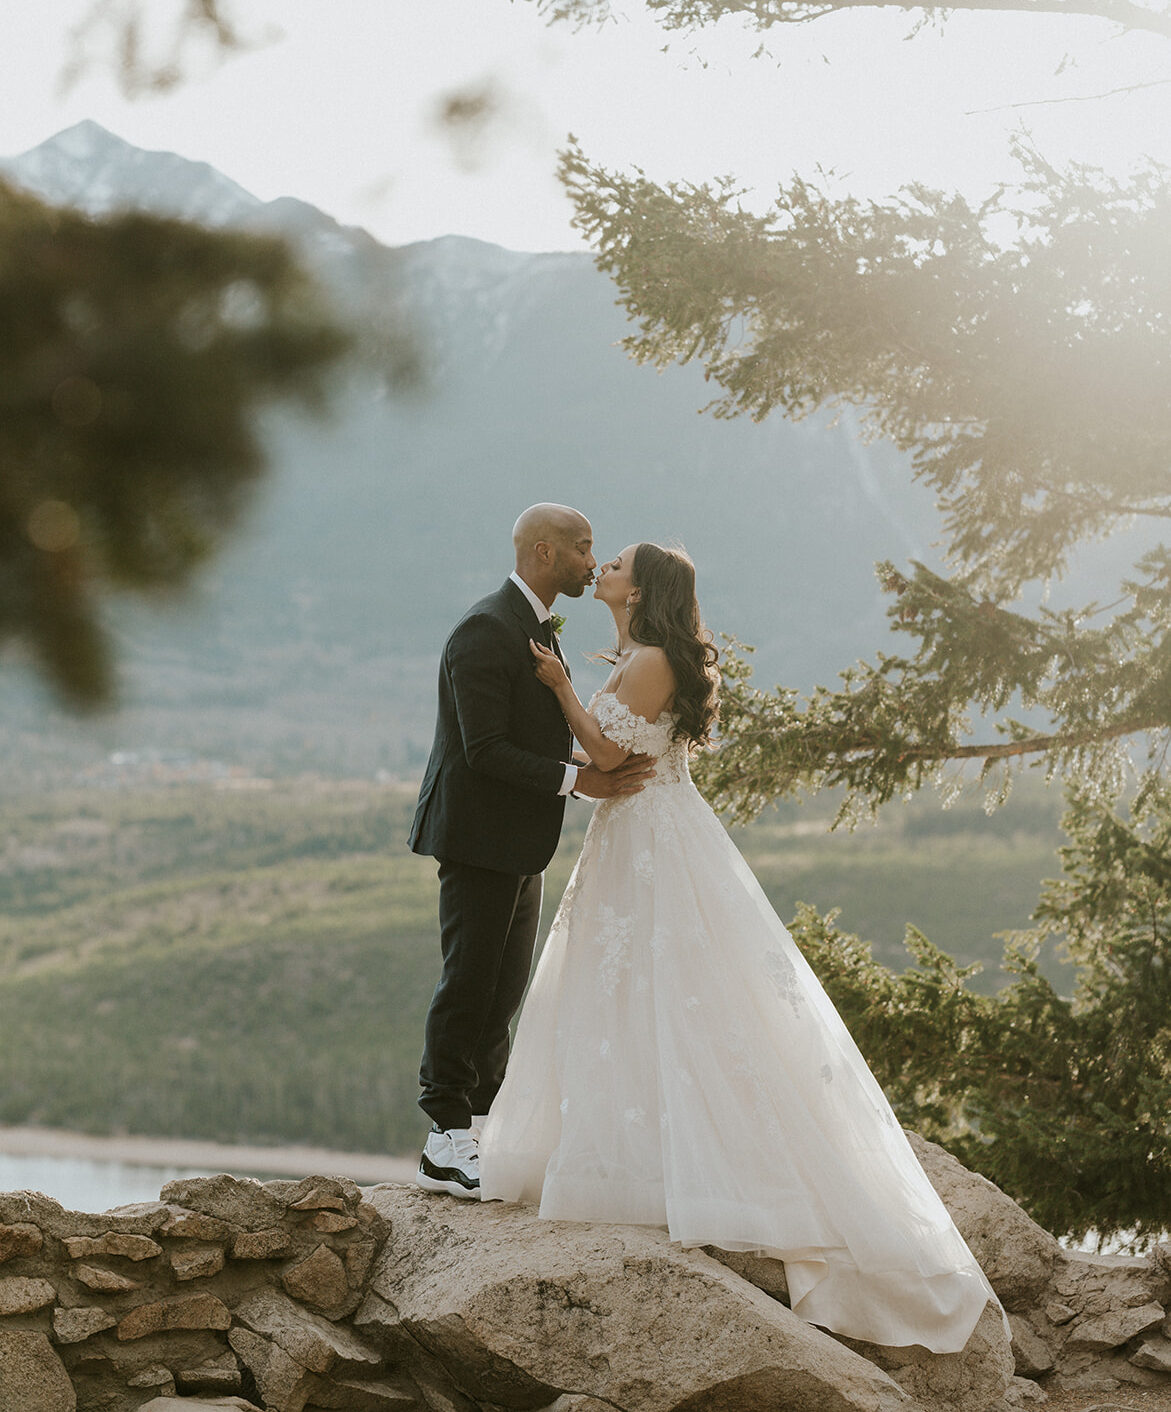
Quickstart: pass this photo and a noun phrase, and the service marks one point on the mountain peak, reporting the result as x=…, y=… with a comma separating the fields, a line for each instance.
x=94, y=170
x=83, y=139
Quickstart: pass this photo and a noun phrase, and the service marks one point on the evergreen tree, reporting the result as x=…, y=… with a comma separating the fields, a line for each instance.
x=1028, y=380
x=1019, y=351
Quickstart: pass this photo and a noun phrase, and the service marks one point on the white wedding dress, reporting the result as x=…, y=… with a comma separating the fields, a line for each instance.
x=678, y=1064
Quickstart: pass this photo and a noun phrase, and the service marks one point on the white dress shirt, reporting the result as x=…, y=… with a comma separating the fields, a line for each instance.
x=543, y=615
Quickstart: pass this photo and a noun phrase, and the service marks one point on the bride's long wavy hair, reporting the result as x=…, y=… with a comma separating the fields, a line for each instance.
x=666, y=615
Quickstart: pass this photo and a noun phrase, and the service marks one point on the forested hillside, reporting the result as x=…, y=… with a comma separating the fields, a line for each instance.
x=256, y=964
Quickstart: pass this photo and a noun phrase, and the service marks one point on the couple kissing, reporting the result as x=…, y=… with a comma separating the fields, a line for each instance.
x=677, y=1063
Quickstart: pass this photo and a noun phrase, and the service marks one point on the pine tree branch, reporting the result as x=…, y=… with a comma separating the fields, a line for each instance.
x=1036, y=744
x=1122, y=12
x=680, y=13
x=1069, y=98
x=1101, y=504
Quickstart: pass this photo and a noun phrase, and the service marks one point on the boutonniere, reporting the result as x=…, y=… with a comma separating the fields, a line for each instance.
x=558, y=622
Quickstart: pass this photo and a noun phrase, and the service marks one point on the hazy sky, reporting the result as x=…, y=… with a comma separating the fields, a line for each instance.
x=339, y=107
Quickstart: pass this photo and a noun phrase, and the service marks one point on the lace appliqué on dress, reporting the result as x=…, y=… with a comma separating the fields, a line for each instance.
x=613, y=936
x=616, y=721
x=620, y=724
x=783, y=974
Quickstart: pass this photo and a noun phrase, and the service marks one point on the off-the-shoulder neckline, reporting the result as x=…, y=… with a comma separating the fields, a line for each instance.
x=663, y=715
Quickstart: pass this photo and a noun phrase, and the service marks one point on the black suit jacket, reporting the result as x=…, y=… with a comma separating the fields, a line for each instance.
x=490, y=795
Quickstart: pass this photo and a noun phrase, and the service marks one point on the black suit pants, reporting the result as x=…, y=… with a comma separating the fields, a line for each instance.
x=488, y=923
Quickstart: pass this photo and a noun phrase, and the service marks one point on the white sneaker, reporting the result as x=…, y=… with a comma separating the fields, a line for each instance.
x=451, y=1163
x=478, y=1121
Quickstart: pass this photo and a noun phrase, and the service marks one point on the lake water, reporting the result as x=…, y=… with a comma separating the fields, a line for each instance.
x=82, y=1184
x=85, y=1185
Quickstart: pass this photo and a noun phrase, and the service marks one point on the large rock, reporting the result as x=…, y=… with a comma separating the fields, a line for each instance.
x=1099, y=1284
x=200, y=1263
x=281, y=1381
x=521, y=1310
x=132, y=1247
x=32, y=1377
x=320, y=1280
x=1111, y=1330
x=198, y=1404
x=315, y=1343
x=973, y=1380
x=488, y=1307
x=191, y=1311
x=260, y=1245
x=104, y=1281
x=76, y=1325
x=24, y=1296
x=1017, y=1255
x=240, y=1201
x=1155, y=1353
x=193, y=1225
x=21, y=1239
x=1032, y=1350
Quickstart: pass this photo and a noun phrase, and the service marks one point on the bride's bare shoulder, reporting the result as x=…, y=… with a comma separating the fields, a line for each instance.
x=649, y=664
x=647, y=685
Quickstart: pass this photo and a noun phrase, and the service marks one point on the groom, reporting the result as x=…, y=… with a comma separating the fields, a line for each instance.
x=490, y=810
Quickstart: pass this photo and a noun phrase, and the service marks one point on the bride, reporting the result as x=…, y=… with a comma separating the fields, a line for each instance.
x=677, y=1062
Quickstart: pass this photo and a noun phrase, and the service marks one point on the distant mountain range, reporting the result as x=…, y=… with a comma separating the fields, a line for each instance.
x=311, y=642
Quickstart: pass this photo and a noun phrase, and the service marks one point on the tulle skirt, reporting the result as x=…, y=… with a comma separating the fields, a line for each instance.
x=678, y=1064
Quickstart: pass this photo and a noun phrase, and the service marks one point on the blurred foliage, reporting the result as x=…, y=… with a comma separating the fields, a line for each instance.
x=135, y=352
x=764, y=14
x=149, y=47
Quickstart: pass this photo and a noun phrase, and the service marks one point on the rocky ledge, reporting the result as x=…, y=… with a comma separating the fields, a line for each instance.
x=315, y=1295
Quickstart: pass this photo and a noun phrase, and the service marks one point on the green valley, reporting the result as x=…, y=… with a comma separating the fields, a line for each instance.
x=254, y=964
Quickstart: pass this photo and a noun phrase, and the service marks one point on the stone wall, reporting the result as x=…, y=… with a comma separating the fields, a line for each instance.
x=314, y=1295
x=194, y=1294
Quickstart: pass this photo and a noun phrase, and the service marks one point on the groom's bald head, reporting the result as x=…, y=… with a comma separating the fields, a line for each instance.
x=551, y=524
x=554, y=545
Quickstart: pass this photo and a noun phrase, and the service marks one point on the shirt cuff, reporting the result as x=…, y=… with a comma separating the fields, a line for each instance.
x=569, y=783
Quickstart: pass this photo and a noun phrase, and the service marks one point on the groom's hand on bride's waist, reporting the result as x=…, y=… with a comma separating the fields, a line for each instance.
x=627, y=778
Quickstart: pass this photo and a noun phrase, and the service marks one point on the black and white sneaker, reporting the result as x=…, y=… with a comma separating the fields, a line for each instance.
x=450, y=1163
